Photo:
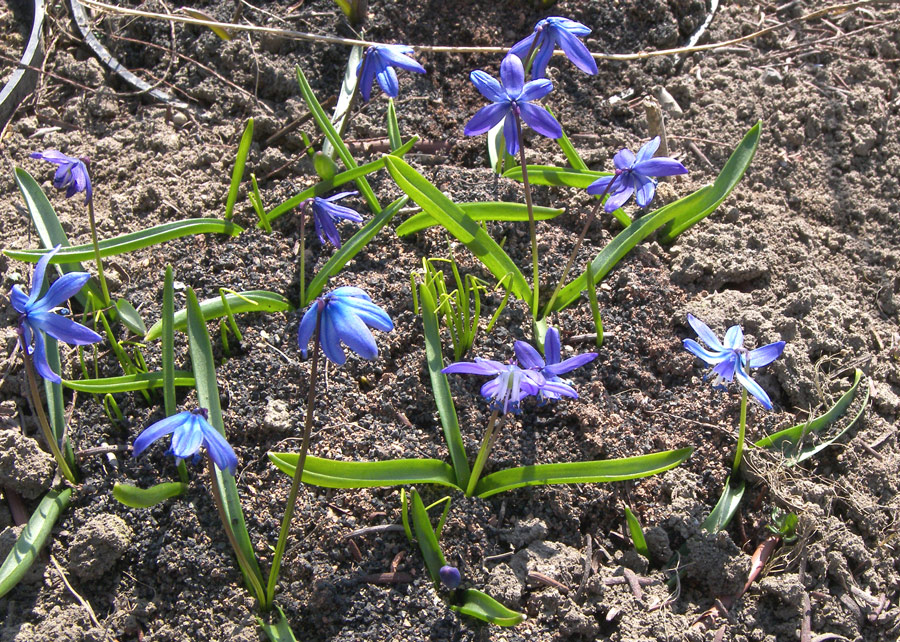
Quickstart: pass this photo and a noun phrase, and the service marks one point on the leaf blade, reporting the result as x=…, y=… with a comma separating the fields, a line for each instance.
x=329, y=473
x=135, y=497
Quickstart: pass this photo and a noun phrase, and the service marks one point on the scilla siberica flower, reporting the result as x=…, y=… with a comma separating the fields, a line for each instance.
x=37, y=316
x=346, y=311
x=326, y=211
x=554, y=387
x=450, y=576
x=634, y=175
x=190, y=430
x=550, y=32
x=508, y=388
x=732, y=359
x=379, y=62
x=511, y=99
x=72, y=173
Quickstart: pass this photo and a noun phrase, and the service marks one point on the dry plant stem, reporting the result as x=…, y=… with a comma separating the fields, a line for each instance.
x=301, y=462
x=483, y=452
x=536, y=280
x=97, y=259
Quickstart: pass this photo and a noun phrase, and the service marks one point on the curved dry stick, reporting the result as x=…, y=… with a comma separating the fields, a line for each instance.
x=24, y=78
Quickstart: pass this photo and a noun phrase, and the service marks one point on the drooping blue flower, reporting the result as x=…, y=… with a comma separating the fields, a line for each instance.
x=326, y=211
x=72, y=173
x=554, y=386
x=510, y=385
x=450, y=576
x=346, y=311
x=37, y=316
x=634, y=175
x=378, y=64
x=509, y=100
x=190, y=429
x=732, y=359
x=550, y=32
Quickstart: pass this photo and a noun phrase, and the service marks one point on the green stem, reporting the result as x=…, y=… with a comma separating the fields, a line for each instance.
x=303, y=212
x=298, y=472
x=483, y=453
x=536, y=283
x=97, y=259
x=736, y=468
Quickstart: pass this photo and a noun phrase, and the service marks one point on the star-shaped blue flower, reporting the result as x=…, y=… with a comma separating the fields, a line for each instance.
x=37, y=316
x=634, y=175
x=326, y=211
x=554, y=386
x=71, y=174
x=510, y=385
x=190, y=430
x=553, y=31
x=346, y=311
x=732, y=359
x=511, y=99
x=378, y=64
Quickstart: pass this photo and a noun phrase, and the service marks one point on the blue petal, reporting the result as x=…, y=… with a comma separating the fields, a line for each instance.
x=577, y=52
x=511, y=134
x=395, y=55
x=536, y=89
x=565, y=24
x=339, y=196
x=160, y=429
x=528, y=357
x=485, y=118
x=599, y=186
x=512, y=74
x=350, y=291
x=522, y=47
x=187, y=438
x=728, y=367
x=558, y=388
x=706, y=335
x=352, y=331
x=754, y=389
x=766, y=354
x=646, y=190
x=387, y=78
x=552, y=346
x=325, y=228
x=64, y=288
x=307, y=327
x=220, y=451
x=37, y=278
x=545, y=52
x=65, y=330
x=661, y=166
x=341, y=212
x=366, y=72
x=371, y=314
x=620, y=196
x=540, y=120
x=330, y=339
x=734, y=338
x=646, y=152
x=18, y=298
x=700, y=352
x=623, y=159
x=479, y=367
x=39, y=358
x=570, y=364
x=488, y=86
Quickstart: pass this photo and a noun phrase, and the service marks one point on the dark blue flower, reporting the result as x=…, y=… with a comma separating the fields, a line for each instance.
x=549, y=33
x=508, y=388
x=72, y=173
x=450, y=576
x=554, y=386
x=326, y=212
x=190, y=430
x=37, y=317
x=511, y=99
x=346, y=312
x=634, y=175
x=379, y=62
x=732, y=359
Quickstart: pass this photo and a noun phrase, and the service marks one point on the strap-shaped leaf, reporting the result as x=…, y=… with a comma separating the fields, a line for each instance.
x=482, y=606
x=455, y=221
x=329, y=473
x=342, y=110
x=481, y=211
x=32, y=538
x=351, y=248
x=167, y=348
x=426, y=538
x=237, y=174
x=130, y=317
x=393, y=127
x=133, y=241
x=725, y=508
x=146, y=497
x=281, y=630
x=637, y=533
x=581, y=472
x=568, y=149
x=130, y=383
x=249, y=301
x=556, y=176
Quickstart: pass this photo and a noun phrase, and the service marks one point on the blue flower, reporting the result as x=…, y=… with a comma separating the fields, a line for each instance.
x=326, y=212
x=550, y=32
x=379, y=62
x=511, y=99
x=508, y=388
x=37, y=317
x=450, y=576
x=554, y=387
x=346, y=312
x=732, y=359
x=634, y=175
x=72, y=173
x=190, y=430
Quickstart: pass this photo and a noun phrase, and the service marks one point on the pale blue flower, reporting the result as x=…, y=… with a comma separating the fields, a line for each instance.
x=326, y=211
x=554, y=386
x=510, y=385
x=37, y=315
x=190, y=430
x=549, y=33
x=378, y=64
x=732, y=359
x=71, y=174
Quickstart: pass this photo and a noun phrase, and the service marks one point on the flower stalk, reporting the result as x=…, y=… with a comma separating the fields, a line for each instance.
x=100, y=277
x=536, y=281
x=487, y=443
x=742, y=431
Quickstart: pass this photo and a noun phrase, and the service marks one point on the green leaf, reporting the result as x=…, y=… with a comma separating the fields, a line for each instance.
x=393, y=126
x=496, y=148
x=569, y=150
x=637, y=533
x=351, y=248
x=280, y=631
x=556, y=176
x=328, y=473
x=224, y=34
x=237, y=174
x=134, y=241
x=168, y=342
x=726, y=506
x=325, y=167
x=498, y=211
x=146, y=497
x=249, y=301
x=443, y=399
x=331, y=134
x=581, y=472
x=790, y=441
x=32, y=538
x=345, y=98
x=130, y=317
x=130, y=383
x=482, y=606
x=455, y=221
x=55, y=401
x=428, y=543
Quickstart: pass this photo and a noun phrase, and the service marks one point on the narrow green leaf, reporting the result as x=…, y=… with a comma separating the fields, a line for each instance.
x=581, y=472
x=393, y=127
x=500, y=211
x=130, y=317
x=249, y=301
x=569, y=150
x=168, y=342
x=443, y=399
x=482, y=606
x=325, y=167
x=134, y=241
x=329, y=473
x=556, y=176
x=637, y=533
x=428, y=543
x=351, y=248
x=404, y=515
x=455, y=221
x=725, y=508
x=32, y=538
x=280, y=631
x=345, y=99
x=130, y=383
x=146, y=497
x=55, y=400
x=498, y=157
x=237, y=174
x=331, y=134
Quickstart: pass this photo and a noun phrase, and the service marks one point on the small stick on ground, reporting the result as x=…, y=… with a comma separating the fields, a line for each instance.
x=586, y=569
x=633, y=581
x=806, y=619
x=540, y=578
x=84, y=603
x=372, y=530
x=388, y=578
